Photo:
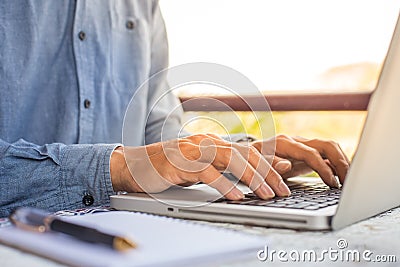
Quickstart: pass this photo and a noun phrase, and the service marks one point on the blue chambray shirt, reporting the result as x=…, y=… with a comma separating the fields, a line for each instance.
x=67, y=72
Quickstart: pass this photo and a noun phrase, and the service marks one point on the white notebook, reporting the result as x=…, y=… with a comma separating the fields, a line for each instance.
x=161, y=241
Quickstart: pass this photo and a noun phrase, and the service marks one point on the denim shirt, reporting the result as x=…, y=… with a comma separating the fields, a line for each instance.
x=68, y=70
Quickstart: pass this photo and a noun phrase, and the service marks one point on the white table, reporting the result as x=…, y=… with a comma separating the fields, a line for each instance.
x=380, y=235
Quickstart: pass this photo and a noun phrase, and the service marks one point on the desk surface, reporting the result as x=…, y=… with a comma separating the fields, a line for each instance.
x=380, y=235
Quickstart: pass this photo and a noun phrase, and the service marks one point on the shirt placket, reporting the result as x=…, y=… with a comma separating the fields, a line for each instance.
x=83, y=38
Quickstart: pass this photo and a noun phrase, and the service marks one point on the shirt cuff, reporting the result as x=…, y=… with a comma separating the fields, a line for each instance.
x=86, y=175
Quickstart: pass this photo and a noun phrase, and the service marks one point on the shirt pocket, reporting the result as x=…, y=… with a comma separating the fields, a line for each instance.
x=130, y=52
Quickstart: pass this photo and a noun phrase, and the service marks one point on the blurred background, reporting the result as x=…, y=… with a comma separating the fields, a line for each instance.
x=285, y=46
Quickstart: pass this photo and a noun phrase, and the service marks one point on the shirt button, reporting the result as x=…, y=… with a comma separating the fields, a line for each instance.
x=87, y=200
x=86, y=103
x=130, y=25
x=82, y=35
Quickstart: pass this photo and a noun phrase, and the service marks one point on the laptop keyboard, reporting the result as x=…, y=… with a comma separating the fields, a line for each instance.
x=304, y=196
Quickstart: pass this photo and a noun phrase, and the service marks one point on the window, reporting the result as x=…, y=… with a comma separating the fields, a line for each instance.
x=285, y=46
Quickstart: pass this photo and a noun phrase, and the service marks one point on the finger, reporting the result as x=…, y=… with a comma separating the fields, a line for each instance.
x=275, y=180
x=215, y=179
x=299, y=168
x=251, y=168
x=344, y=154
x=289, y=148
x=305, y=141
x=266, y=147
x=331, y=166
x=261, y=165
x=281, y=165
x=333, y=153
x=230, y=159
x=199, y=138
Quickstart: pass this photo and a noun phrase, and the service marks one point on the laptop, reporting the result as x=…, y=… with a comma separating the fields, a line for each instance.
x=371, y=187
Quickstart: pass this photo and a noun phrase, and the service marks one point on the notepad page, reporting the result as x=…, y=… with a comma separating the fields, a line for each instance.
x=161, y=241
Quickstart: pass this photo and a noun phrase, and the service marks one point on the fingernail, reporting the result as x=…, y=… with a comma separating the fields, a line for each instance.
x=237, y=193
x=265, y=191
x=283, y=166
x=335, y=181
x=283, y=188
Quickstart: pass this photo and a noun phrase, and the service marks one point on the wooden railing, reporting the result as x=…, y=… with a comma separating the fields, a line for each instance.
x=280, y=102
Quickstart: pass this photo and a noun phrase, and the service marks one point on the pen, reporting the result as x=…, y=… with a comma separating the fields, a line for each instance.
x=40, y=220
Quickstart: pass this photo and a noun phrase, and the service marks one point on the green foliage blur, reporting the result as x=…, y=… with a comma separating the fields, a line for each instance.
x=343, y=127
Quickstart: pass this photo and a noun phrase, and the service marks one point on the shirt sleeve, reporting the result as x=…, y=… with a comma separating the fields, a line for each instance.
x=164, y=121
x=54, y=176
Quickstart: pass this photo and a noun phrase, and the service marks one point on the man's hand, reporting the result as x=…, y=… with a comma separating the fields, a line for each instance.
x=156, y=167
x=296, y=156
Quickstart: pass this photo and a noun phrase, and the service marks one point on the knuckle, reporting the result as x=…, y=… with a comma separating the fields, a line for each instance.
x=213, y=136
x=198, y=136
x=253, y=150
x=227, y=152
x=231, y=154
x=235, y=152
x=201, y=135
x=282, y=137
x=189, y=151
x=343, y=163
x=332, y=144
x=257, y=145
x=183, y=146
x=186, y=146
x=326, y=143
x=312, y=152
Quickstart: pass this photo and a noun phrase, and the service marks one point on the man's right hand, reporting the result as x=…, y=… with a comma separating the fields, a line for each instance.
x=197, y=158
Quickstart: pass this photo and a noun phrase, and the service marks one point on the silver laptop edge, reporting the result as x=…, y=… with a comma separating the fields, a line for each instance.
x=180, y=203
x=371, y=185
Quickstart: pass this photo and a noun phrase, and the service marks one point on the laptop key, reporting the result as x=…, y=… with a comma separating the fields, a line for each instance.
x=334, y=202
x=277, y=205
x=289, y=202
x=299, y=205
x=250, y=195
x=248, y=202
x=219, y=200
x=319, y=200
x=311, y=208
x=234, y=202
x=304, y=196
x=262, y=203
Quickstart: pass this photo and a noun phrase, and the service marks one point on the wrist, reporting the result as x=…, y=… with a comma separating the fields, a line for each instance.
x=121, y=177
